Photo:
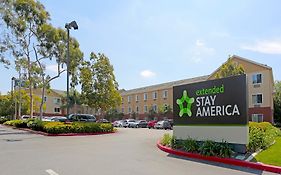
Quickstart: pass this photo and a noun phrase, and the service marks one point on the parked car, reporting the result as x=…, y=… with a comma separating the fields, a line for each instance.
x=25, y=117
x=103, y=120
x=139, y=124
x=163, y=124
x=118, y=123
x=81, y=118
x=58, y=119
x=129, y=123
x=151, y=124
x=171, y=121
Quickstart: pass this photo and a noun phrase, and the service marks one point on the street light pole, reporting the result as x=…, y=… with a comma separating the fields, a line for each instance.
x=67, y=74
x=68, y=26
x=12, y=96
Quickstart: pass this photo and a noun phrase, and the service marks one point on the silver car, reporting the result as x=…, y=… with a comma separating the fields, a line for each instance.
x=163, y=125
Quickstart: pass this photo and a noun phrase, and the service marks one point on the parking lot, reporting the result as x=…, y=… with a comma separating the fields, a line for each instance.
x=129, y=151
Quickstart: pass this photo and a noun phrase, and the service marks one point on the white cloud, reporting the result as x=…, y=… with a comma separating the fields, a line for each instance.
x=201, y=51
x=199, y=43
x=147, y=74
x=52, y=68
x=266, y=46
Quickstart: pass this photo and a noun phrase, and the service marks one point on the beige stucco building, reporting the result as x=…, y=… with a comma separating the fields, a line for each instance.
x=55, y=104
x=260, y=93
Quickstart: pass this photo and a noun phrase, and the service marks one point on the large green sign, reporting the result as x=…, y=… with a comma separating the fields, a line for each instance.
x=221, y=101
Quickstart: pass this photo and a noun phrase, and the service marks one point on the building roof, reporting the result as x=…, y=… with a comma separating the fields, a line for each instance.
x=164, y=85
x=243, y=59
x=59, y=92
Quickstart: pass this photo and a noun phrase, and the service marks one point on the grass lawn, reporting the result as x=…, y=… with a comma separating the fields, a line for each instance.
x=272, y=155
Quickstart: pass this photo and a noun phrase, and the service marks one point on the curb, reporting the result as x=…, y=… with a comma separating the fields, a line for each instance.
x=229, y=161
x=65, y=134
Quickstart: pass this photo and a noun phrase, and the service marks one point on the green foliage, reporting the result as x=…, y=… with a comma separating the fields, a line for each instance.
x=271, y=155
x=229, y=68
x=3, y=120
x=166, y=140
x=99, y=87
x=113, y=114
x=6, y=105
x=77, y=127
x=277, y=102
x=190, y=145
x=17, y=123
x=37, y=125
x=207, y=148
x=261, y=135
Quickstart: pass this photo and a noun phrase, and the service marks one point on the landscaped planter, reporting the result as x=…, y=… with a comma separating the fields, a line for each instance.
x=64, y=134
x=228, y=161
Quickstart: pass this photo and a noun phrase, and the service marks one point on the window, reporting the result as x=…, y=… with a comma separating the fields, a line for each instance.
x=257, y=117
x=57, y=101
x=154, y=95
x=257, y=78
x=145, y=96
x=257, y=99
x=129, y=99
x=137, y=109
x=129, y=110
x=145, y=108
x=137, y=98
x=154, y=107
x=57, y=110
x=165, y=94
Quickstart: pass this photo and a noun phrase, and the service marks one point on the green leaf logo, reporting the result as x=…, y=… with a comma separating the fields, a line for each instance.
x=185, y=109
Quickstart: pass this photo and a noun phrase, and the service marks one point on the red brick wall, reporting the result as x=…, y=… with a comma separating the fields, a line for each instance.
x=266, y=111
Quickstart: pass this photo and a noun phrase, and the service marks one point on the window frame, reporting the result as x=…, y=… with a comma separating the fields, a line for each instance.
x=255, y=75
x=256, y=103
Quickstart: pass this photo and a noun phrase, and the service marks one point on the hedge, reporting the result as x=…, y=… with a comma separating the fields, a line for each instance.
x=60, y=127
x=261, y=135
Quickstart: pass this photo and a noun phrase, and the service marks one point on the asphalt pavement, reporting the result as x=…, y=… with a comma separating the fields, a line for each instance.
x=127, y=152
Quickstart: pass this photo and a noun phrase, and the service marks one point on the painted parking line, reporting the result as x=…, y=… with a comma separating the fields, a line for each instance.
x=51, y=172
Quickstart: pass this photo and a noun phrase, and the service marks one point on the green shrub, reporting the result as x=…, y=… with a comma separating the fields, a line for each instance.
x=37, y=125
x=261, y=135
x=76, y=127
x=17, y=123
x=166, y=140
x=3, y=120
x=208, y=148
x=190, y=145
x=57, y=128
x=224, y=149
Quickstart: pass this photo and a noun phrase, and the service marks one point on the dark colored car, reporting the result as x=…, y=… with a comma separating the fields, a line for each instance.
x=151, y=124
x=171, y=121
x=81, y=118
x=59, y=119
x=139, y=124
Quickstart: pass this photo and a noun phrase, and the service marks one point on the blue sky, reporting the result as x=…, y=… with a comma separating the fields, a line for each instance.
x=150, y=42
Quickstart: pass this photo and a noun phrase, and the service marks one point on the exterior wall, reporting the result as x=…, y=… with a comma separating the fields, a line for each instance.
x=266, y=111
x=265, y=88
x=159, y=101
x=50, y=103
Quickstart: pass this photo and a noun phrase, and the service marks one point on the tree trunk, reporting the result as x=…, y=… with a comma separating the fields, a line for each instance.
x=30, y=88
x=42, y=99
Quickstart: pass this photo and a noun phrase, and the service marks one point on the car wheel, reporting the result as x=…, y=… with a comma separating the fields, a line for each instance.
x=137, y=126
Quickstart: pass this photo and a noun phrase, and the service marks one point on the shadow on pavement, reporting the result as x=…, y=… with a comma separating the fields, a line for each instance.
x=247, y=170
